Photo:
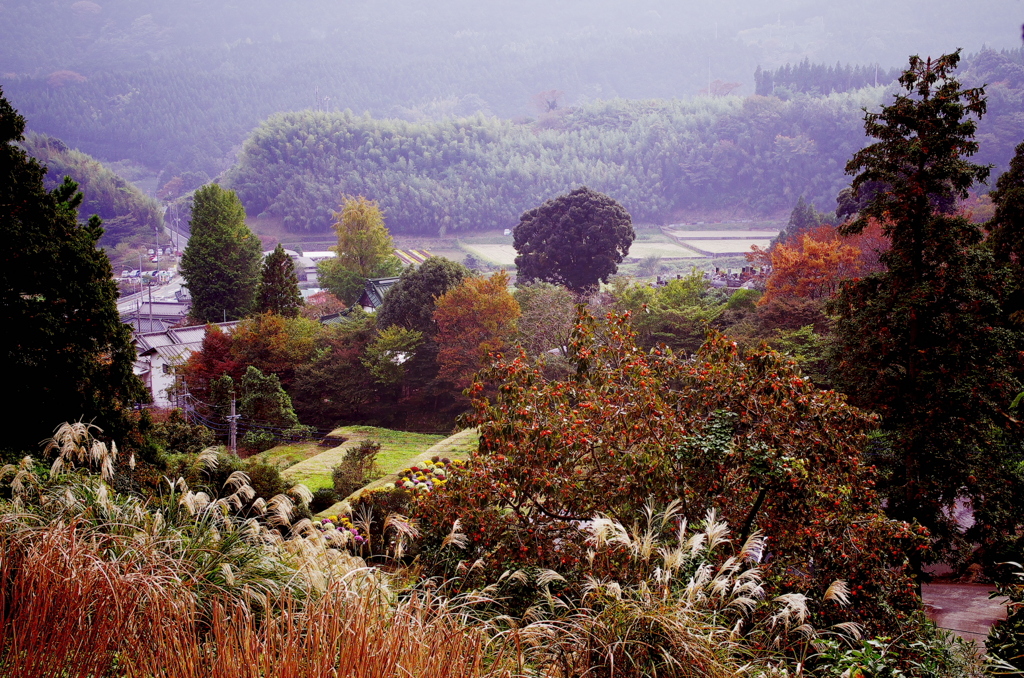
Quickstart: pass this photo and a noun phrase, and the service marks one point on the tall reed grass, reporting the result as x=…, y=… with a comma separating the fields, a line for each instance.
x=69, y=610
x=94, y=584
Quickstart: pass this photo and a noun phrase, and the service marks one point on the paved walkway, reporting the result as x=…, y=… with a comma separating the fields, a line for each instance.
x=964, y=609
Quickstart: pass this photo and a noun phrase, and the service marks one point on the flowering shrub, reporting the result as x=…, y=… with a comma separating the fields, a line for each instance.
x=339, y=524
x=428, y=475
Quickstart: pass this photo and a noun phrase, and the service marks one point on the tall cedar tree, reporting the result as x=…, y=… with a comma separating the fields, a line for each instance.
x=364, y=250
x=221, y=264
x=925, y=343
x=279, y=288
x=576, y=240
x=1007, y=228
x=474, y=321
x=66, y=355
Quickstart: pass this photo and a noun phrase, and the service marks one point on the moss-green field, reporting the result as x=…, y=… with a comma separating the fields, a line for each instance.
x=311, y=465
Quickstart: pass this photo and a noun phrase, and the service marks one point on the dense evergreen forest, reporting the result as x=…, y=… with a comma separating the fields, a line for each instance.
x=127, y=213
x=481, y=173
x=659, y=157
x=177, y=86
x=808, y=78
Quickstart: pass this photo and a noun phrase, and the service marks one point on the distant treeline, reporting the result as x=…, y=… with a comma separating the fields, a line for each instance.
x=128, y=214
x=811, y=78
x=756, y=154
x=1001, y=72
x=177, y=86
x=180, y=95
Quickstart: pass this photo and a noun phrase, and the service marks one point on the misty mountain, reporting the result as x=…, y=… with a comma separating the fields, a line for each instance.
x=177, y=85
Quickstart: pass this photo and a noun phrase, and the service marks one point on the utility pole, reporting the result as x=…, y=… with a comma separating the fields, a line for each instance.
x=233, y=427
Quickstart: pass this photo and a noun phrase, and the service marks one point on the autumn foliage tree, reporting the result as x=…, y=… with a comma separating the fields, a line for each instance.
x=474, y=321
x=364, y=249
x=274, y=344
x=811, y=267
x=743, y=433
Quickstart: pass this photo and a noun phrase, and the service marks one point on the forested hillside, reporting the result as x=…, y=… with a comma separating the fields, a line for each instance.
x=128, y=214
x=178, y=85
x=757, y=154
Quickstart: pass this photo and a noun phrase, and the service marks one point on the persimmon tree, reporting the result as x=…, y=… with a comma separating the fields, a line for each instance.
x=743, y=433
x=474, y=321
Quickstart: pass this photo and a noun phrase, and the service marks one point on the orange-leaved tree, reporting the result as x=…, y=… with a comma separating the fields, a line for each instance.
x=474, y=320
x=812, y=267
x=745, y=434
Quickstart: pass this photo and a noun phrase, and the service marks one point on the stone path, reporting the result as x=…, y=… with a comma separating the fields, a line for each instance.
x=964, y=609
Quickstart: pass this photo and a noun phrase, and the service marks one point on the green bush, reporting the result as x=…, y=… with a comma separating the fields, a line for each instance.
x=324, y=498
x=743, y=300
x=265, y=478
x=254, y=442
x=358, y=467
x=177, y=435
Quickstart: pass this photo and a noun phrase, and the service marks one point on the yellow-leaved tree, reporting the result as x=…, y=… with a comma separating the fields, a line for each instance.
x=364, y=250
x=474, y=320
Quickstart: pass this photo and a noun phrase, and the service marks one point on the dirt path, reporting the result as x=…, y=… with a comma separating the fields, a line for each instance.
x=964, y=609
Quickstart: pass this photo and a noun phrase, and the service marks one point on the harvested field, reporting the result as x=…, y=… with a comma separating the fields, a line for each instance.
x=723, y=247
x=721, y=235
x=501, y=255
x=665, y=250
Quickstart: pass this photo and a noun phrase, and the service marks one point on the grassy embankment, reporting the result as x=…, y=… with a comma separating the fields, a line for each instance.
x=311, y=465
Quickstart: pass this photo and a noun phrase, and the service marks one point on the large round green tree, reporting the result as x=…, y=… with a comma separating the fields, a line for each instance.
x=65, y=353
x=576, y=240
x=222, y=261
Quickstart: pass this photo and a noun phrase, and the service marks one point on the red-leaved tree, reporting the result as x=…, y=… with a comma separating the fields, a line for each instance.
x=745, y=434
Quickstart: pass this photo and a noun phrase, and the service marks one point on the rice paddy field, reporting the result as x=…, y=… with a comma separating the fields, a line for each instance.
x=498, y=255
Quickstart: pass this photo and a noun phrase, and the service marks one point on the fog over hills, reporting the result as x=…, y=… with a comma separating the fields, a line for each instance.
x=177, y=86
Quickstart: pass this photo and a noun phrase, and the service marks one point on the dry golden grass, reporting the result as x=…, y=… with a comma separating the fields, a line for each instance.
x=68, y=609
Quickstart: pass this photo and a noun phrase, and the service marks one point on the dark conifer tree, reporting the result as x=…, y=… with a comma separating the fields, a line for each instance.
x=925, y=343
x=279, y=287
x=65, y=353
